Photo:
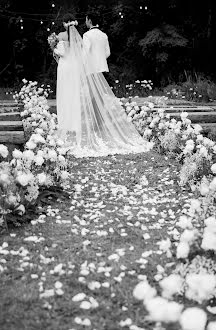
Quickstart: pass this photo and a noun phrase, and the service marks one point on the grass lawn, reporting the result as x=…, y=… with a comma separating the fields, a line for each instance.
x=99, y=243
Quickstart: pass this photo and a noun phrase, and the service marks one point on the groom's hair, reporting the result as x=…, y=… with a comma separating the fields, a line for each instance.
x=68, y=18
x=93, y=17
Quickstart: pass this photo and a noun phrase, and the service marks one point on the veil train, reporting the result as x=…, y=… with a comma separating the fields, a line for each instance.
x=91, y=120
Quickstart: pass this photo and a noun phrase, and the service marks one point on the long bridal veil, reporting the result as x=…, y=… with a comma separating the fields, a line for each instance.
x=93, y=122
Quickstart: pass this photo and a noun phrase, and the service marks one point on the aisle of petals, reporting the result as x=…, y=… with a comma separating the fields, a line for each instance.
x=77, y=264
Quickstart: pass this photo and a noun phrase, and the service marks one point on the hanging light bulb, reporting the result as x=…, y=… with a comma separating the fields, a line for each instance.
x=122, y=16
x=146, y=7
x=53, y=5
x=21, y=21
x=141, y=7
x=48, y=29
x=41, y=22
x=120, y=13
x=21, y=27
x=53, y=23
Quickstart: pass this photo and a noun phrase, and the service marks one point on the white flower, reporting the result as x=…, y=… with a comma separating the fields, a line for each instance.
x=52, y=155
x=161, y=310
x=200, y=286
x=171, y=285
x=143, y=291
x=184, y=222
x=211, y=326
x=4, y=179
x=183, y=250
x=64, y=175
x=188, y=236
x=41, y=178
x=31, y=145
x=165, y=245
x=203, y=151
x=28, y=154
x=3, y=151
x=184, y=115
x=193, y=319
x=17, y=154
x=211, y=222
x=213, y=168
x=39, y=160
x=209, y=240
x=204, y=189
x=213, y=184
x=24, y=179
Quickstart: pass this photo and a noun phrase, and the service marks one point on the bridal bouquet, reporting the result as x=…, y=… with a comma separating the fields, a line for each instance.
x=53, y=40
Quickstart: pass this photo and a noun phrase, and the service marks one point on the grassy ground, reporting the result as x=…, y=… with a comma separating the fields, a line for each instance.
x=100, y=242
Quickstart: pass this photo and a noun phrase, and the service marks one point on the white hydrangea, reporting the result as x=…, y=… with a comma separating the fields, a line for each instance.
x=200, y=286
x=161, y=310
x=193, y=319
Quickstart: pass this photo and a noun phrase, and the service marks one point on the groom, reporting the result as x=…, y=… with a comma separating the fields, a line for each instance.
x=97, y=45
x=97, y=50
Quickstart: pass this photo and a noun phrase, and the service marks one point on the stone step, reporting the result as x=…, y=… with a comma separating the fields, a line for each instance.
x=207, y=127
x=196, y=117
x=10, y=116
x=14, y=137
x=11, y=126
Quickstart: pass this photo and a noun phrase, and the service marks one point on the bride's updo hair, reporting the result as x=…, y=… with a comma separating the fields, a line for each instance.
x=67, y=18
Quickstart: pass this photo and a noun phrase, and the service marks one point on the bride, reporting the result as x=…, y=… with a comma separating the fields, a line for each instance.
x=91, y=120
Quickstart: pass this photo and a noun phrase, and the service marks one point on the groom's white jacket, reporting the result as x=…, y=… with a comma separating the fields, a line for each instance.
x=97, y=48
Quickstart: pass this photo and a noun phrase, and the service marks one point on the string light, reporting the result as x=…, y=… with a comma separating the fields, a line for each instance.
x=53, y=23
x=48, y=29
x=53, y=5
x=122, y=16
x=41, y=22
x=146, y=7
x=141, y=7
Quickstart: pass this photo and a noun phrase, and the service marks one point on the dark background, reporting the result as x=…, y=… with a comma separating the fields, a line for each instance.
x=167, y=42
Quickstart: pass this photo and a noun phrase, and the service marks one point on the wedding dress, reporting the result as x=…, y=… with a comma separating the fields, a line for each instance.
x=91, y=120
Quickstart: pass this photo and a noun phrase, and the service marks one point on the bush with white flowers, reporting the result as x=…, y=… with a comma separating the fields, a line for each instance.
x=179, y=138
x=41, y=165
x=30, y=89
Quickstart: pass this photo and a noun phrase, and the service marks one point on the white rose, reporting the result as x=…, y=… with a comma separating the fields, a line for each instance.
x=171, y=285
x=209, y=240
x=4, y=179
x=183, y=250
x=17, y=154
x=160, y=310
x=211, y=326
x=41, y=178
x=3, y=151
x=193, y=319
x=24, y=179
x=204, y=189
x=200, y=286
x=188, y=236
x=210, y=221
x=39, y=160
x=213, y=168
x=143, y=291
x=184, y=222
x=31, y=145
x=28, y=154
x=64, y=175
x=213, y=184
x=52, y=155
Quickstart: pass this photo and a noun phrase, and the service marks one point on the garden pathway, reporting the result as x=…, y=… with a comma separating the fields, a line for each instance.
x=75, y=265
